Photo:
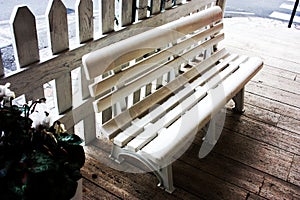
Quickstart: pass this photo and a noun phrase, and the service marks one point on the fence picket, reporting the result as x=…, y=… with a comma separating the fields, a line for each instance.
x=58, y=26
x=1, y=65
x=25, y=40
x=108, y=15
x=142, y=9
x=64, y=92
x=156, y=6
x=85, y=22
x=178, y=2
x=128, y=8
x=168, y=4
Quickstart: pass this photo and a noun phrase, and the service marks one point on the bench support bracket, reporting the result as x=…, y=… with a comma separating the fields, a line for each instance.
x=163, y=174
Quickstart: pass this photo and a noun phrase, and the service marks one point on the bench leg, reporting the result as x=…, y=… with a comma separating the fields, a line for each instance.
x=167, y=178
x=239, y=102
x=115, y=154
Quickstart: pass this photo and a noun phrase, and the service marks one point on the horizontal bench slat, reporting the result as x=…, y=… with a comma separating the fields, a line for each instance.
x=104, y=60
x=162, y=150
x=143, y=138
x=112, y=127
x=137, y=127
x=124, y=75
x=107, y=101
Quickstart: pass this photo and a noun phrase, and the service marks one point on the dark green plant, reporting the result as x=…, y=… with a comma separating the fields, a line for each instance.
x=36, y=163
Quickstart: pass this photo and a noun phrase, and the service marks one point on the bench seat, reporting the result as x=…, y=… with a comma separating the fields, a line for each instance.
x=158, y=88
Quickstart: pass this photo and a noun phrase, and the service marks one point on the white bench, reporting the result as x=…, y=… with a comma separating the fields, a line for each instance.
x=163, y=85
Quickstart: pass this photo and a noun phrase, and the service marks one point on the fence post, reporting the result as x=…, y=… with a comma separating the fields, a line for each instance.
x=58, y=26
x=84, y=20
x=64, y=92
x=156, y=6
x=25, y=40
x=107, y=15
x=1, y=65
x=142, y=9
x=222, y=4
x=128, y=8
x=168, y=4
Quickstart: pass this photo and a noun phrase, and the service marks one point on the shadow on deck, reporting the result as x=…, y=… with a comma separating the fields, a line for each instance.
x=258, y=154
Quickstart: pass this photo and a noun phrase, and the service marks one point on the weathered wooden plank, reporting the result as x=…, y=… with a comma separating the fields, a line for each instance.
x=274, y=94
x=84, y=20
x=84, y=83
x=168, y=4
x=256, y=154
x=282, y=73
x=25, y=40
x=92, y=191
x=127, y=12
x=272, y=105
x=63, y=86
x=116, y=181
x=277, y=82
x=178, y=2
x=204, y=185
x=58, y=26
x=89, y=125
x=40, y=73
x=226, y=169
x=263, y=132
x=1, y=65
x=142, y=9
x=287, y=65
x=254, y=197
x=277, y=189
x=156, y=6
x=290, y=124
x=253, y=40
x=263, y=115
x=35, y=94
x=108, y=15
x=294, y=176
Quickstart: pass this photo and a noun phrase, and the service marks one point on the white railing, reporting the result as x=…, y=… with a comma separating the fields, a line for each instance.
x=57, y=64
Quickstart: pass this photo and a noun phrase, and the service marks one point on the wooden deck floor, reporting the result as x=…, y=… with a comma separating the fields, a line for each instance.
x=258, y=154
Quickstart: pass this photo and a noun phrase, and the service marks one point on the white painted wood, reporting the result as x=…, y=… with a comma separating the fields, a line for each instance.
x=25, y=40
x=143, y=138
x=1, y=65
x=109, y=60
x=58, y=26
x=108, y=15
x=84, y=20
x=106, y=101
x=145, y=65
x=64, y=92
x=163, y=148
x=111, y=129
x=142, y=9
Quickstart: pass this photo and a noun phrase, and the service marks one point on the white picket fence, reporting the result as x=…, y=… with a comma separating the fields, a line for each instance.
x=35, y=68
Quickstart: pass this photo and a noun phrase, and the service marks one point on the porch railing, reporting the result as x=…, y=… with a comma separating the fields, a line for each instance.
x=58, y=63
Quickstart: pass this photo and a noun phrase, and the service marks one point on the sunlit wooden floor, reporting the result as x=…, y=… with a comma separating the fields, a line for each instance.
x=258, y=153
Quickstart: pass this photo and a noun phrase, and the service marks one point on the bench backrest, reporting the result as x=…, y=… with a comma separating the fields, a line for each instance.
x=128, y=71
